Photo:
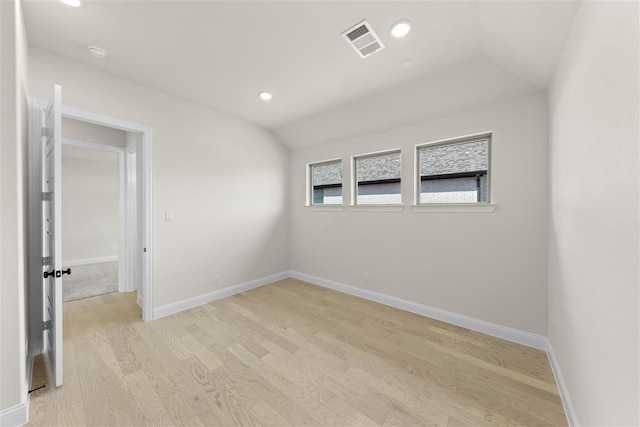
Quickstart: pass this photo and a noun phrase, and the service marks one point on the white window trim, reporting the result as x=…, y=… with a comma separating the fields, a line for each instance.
x=454, y=207
x=325, y=208
x=309, y=196
x=451, y=207
x=354, y=182
x=376, y=208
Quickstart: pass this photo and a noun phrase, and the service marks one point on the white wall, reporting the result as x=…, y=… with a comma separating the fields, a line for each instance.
x=88, y=132
x=490, y=266
x=90, y=204
x=594, y=214
x=13, y=199
x=225, y=180
x=90, y=192
x=460, y=87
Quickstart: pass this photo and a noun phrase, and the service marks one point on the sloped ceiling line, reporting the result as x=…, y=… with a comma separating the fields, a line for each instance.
x=294, y=50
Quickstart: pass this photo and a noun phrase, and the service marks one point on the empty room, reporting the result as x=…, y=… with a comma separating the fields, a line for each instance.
x=313, y=213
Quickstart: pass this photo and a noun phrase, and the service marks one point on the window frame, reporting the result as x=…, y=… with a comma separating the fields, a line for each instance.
x=354, y=182
x=488, y=136
x=309, y=185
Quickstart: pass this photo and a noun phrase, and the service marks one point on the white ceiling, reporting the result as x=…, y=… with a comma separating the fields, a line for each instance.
x=222, y=53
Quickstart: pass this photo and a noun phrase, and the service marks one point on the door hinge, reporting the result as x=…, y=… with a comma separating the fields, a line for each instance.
x=46, y=260
x=47, y=196
x=43, y=131
x=46, y=325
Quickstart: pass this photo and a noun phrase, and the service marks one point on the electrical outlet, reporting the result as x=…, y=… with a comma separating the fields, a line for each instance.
x=216, y=279
x=169, y=217
x=112, y=249
x=365, y=276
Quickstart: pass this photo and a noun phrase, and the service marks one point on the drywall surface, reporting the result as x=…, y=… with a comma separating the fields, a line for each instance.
x=13, y=199
x=88, y=132
x=225, y=180
x=490, y=266
x=594, y=214
x=90, y=203
x=459, y=87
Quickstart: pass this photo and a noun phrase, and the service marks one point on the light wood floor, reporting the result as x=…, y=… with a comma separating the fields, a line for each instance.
x=289, y=353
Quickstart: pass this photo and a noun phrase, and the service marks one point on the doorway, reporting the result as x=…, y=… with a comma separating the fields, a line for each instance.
x=134, y=242
x=99, y=198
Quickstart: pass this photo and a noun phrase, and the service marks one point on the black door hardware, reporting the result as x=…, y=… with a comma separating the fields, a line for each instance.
x=57, y=273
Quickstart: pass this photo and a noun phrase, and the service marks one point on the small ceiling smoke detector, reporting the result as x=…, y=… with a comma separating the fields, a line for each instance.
x=97, y=52
x=407, y=64
x=74, y=3
x=363, y=39
x=401, y=28
x=265, y=96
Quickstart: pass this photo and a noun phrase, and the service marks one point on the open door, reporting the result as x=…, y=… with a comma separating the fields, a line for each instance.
x=52, y=231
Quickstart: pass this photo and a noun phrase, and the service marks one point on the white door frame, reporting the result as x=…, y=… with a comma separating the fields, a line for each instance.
x=124, y=256
x=36, y=286
x=131, y=218
x=145, y=151
x=51, y=144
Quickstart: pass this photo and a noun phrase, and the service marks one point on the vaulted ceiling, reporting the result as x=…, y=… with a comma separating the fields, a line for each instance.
x=221, y=54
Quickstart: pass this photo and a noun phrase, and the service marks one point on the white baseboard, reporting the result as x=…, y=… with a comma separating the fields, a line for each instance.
x=29, y=380
x=74, y=262
x=493, y=329
x=15, y=416
x=510, y=334
x=572, y=418
x=18, y=414
x=176, y=307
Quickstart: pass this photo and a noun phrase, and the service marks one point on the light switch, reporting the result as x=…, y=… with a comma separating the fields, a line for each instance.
x=168, y=217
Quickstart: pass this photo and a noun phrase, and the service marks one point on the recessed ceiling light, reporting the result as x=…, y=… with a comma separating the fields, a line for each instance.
x=74, y=3
x=401, y=28
x=96, y=52
x=265, y=96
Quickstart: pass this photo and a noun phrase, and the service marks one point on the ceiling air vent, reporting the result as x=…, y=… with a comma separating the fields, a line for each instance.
x=363, y=39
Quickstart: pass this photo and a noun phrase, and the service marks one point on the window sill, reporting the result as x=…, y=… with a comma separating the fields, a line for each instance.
x=454, y=207
x=324, y=208
x=376, y=208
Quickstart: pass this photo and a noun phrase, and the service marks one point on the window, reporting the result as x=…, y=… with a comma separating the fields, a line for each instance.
x=377, y=178
x=455, y=171
x=326, y=183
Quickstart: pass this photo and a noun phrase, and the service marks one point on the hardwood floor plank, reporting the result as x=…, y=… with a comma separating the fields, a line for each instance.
x=149, y=404
x=322, y=405
x=91, y=388
x=374, y=405
x=208, y=358
x=246, y=323
x=288, y=353
x=311, y=350
x=194, y=406
x=268, y=416
x=119, y=338
x=415, y=403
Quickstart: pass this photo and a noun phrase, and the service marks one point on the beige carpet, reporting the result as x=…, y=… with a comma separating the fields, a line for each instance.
x=90, y=280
